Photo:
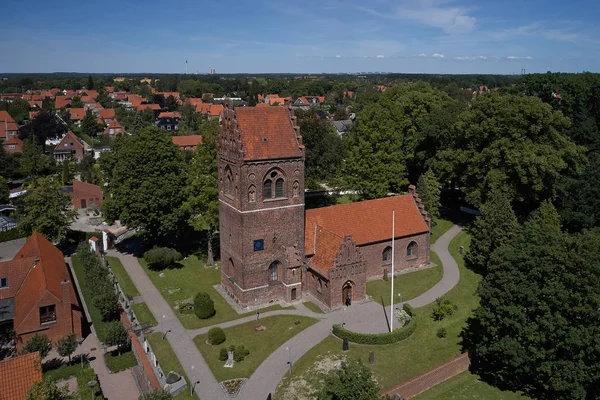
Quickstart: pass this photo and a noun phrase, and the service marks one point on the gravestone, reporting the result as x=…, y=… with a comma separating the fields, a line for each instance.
x=345, y=344
x=173, y=377
x=371, y=357
x=229, y=362
x=259, y=328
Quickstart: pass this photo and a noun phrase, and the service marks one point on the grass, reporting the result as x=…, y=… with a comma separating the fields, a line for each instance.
x=467, y=386
x=122, y=277
x=396, y=363
x=64, y=371
x=313, y=307
x=83, y=377
x=168, y=361
x=410, y=285
x=99, y=325
x=115, y=362
x=439, y=227
x=186, y=282
x=279, y=329
x=144, y=315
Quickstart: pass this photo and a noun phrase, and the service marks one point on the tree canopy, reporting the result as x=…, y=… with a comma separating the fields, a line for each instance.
x=353, y=381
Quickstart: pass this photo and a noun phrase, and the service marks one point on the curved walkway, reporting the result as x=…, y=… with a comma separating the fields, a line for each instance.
x=268, y=375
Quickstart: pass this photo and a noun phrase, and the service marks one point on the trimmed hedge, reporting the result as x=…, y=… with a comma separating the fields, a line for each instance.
x=379, y=338
x=216, y=336
x=204, y=306
x=12, y=234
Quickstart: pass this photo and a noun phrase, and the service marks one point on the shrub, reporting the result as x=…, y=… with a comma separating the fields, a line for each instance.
x=216, y=336
x=38, y=342
x=162, y=257
x=379, y=338
x=232, y=348
x=204, y=307
x=238, y=357
x=442, y=333
x=223, y=355
x=442, y=308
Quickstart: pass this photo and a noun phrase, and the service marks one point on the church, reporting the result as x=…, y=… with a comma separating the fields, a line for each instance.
x=272, y=249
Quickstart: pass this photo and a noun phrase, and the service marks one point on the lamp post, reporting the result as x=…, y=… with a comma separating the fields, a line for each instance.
x=165, y=334
x=92, y=384
x=80, y=343
x=192, y=388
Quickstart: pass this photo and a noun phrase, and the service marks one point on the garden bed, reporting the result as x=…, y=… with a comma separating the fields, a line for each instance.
x=233, y=386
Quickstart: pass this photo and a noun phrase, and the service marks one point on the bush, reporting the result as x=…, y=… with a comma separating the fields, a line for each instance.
x=379, y=338
x=107, y=303
x=442, y=333
x=204, y=307
x=162, y=257
x=238, y=356
x=216, y=336
x=223, y=355
x=117, y=335
x=443, y=307
x=242, y=350
x=38, y=342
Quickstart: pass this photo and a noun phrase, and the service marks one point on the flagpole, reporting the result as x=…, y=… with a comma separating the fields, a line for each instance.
x=392, y=294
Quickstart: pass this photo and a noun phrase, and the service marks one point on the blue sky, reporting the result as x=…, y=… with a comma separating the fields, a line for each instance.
x=431, y=36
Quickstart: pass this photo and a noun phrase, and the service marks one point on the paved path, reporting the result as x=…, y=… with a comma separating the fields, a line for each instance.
x=451, y=271
x=264, y=380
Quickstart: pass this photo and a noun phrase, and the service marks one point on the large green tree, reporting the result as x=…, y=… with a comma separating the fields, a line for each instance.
x=536, y=328
x=67, y=346
x=33, y=161
x=353, y=381
x=146, y=178
x=19, y=110
x=515, y=143
x=89, y=124
x=202, y=204
x=48, y=390
x=428, y=189
x=47, y=210
x=4, y=191
x=388, y=142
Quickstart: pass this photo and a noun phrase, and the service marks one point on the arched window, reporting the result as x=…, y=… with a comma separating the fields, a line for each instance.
x=273, y=271
x=267, y=194
x=320, y=286
x=252, y=194
x=279, y=188
x=296, y=189
x=228, y=180
x=412, y=250
x=387, y=254
x=231, y=267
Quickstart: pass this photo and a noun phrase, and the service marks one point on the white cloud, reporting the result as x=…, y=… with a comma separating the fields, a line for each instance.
x=519, y=58
x=380, y=56
x=338, y=56
x=422, y=55
x=437, y=55
x=465, y=58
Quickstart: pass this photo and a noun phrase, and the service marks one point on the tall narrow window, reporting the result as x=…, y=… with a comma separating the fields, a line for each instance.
x=273, y=271
x=412, y=249
x=251, y=194
x=228, y=180
x=279, y=188
x=3, y=282
x=296, y=189
x=387, y=254
x=267, y=189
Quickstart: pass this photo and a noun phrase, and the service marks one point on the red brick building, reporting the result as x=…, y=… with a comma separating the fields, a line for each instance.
x=8, y=126
x=37, y=294
x=85, y=195
x=188, y=142
x=271, y=250
x=13, y=145
x=69, y=147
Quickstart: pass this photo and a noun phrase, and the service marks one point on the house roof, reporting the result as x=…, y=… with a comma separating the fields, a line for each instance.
x=114, y=124
x=367, y=221
x=150, y=106
x=84, y=189
x=193, y=101
x=18, y=374
x=77, y=114
x=71, y=138
x=13, y=140
x=88, y=100
x=343, y=125
x=266, y=133
x=188, y=140
x=212, y=110
x=301, y=100
x=169, y=114
x=61, y=101
x=106, y=113
x=327, y=246
x=7, y=124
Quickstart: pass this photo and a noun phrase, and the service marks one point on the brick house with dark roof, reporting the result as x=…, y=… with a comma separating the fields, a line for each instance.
x=18, y=374
x=69, y=147
x=36, y=293
x=281, y=252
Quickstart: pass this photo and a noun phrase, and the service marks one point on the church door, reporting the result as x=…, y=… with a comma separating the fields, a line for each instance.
x=294, y=294
x=347, y=294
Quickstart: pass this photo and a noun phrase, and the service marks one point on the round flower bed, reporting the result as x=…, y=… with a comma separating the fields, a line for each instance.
x=233, y=386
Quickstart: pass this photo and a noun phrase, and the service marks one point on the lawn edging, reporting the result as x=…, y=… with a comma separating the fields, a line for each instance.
x=379, y=338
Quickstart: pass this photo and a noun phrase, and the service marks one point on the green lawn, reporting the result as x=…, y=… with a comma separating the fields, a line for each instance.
x=410, y=285
x=467, y=386
x=185, y=283
x=122, y=277
x=397, y=362
x=115, y=362
x=63, y=372
x=99, y=325
x=279, y=329
x=144, y=315
x=440, y=227
x=85, y=392
x=313, y=307
x=168, y=361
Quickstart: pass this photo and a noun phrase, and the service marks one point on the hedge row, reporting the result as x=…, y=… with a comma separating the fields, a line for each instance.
x=12, y=234
x=379, y=338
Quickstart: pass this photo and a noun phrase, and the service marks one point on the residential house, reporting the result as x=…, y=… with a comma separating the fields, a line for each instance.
x=109, y=89
x=35, y=104
x=170, y=114
x=69, y=147
x=211, y=110
x=349, y=94
x=8, y=126
x=168, y=123
x=153, y=107
x=33, y=115
x=76, y=115
x=134, y=99
x=61, y=102
x=107, y=115
x=37, y=294
x=188, y=142
x=13, y=145
x=194, y=101
x=305, y=102
x=118, y=96
x=274, y=99
x=18, y=374
x=114, y=128
x=342, y=126
x=85, y=195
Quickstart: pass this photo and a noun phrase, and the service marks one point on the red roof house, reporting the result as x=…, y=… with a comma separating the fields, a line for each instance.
x=13, y=145
x=8, y=126
x=69, y=146
x=85, y=195
x=114, y=128
x=188, y=142
x=18, y=374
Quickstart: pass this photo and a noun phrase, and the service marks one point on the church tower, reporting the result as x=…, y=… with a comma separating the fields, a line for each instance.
x=261, y=204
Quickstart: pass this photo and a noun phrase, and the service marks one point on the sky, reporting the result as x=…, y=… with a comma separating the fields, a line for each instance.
x=306, y=36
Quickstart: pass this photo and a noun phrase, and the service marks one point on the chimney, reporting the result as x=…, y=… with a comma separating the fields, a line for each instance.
x=67, y=313
x=411, y=190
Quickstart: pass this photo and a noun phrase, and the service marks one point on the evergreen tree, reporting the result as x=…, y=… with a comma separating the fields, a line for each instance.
x=138, y=123
x=3, y=163
x=67, y=172
x=32, y=160
x=4, y=191
x=496, y=226
x=428, y=189
x=90, y=83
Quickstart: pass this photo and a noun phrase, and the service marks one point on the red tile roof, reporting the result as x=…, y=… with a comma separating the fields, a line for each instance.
x=193, y=101
x=88, y=100
x=109, y=89
x=141, y=107
x=7, y=124
x=14, y=140
x=61, y=101
x=187, y=141
x=69, y=137
x=77, y=114
x=367, y=221
x=169, y=114
x=18, y=374
x=209, y=109
x=328, y=245
x=266, y=133
x=35, y=103
x=84, y=189
x=106, y=113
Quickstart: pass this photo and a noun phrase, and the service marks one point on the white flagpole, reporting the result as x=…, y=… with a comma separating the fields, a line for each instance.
x=392, y=294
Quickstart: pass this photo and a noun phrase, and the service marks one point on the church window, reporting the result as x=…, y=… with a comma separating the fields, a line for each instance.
x=252, y=194
x=279, y=188
x=267, y=189
x=228, y=180
x=320, y=286
x=387, y=254
x=273, y=269
x=296, y=189
x=412, y=249
x=274, y=186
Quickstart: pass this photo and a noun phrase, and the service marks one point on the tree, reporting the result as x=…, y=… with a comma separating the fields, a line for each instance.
x=536, y=328
x=204, y=306
x=48, y=211
x=19, y=110
x=46, y=126
x=428, y=189
x=514, y=143
x=138, y=123
x=89, y=124
x=38, y=342
x=67, y=172
x=3, y=163
x=171, y=103
x=202, y=204
x=162, y=257
x=156, y=395
x=76, y=102
x=67, y=346
x=116, y=335
x=159, y=99
x=90, y=83
x=32, y=160
x=353, y=381
x=86, y=168
x=146, y=184
x=48, y=390
x=4, y=191
x=497, y=226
